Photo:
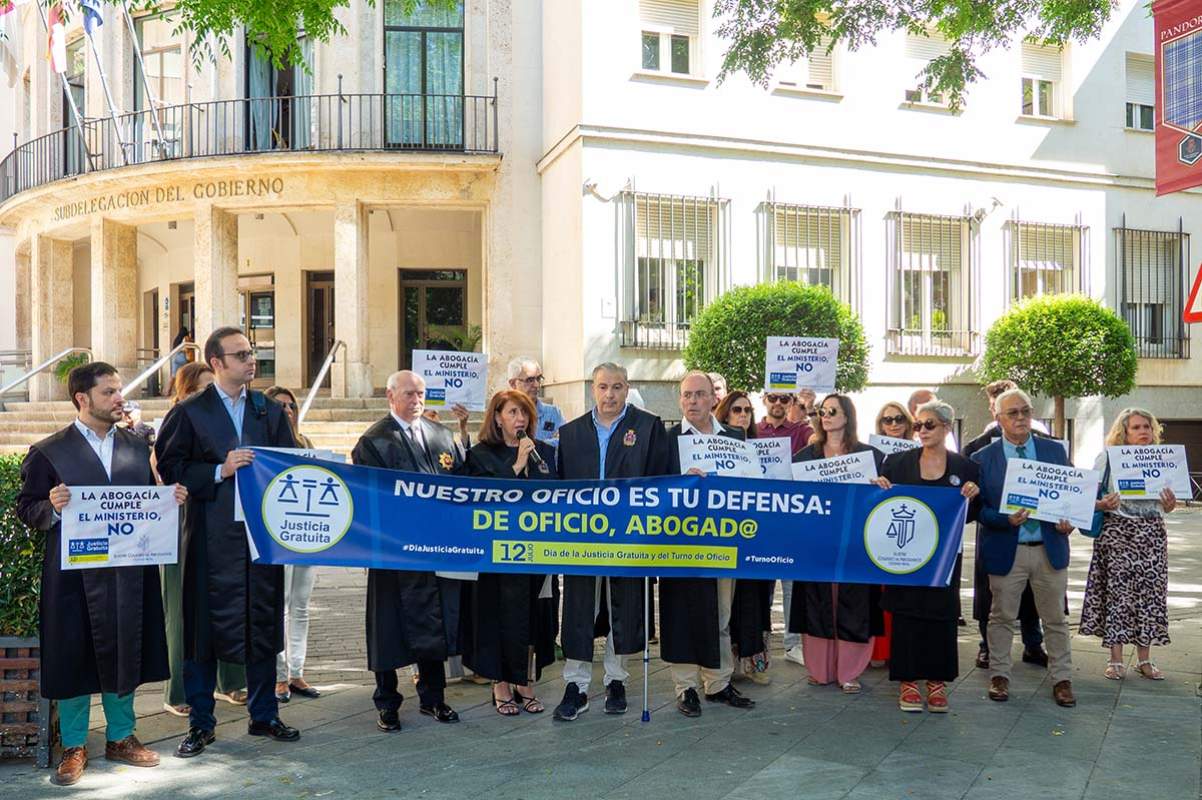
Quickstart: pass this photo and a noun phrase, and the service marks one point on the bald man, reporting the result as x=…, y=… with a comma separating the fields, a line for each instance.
x=412, y=617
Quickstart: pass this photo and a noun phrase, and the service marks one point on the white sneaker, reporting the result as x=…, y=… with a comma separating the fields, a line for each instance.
x=794, y=654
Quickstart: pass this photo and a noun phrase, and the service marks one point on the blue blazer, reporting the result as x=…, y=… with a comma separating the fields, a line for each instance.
x=999, y=539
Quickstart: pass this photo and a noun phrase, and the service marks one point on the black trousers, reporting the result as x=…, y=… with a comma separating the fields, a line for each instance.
x=431, y=681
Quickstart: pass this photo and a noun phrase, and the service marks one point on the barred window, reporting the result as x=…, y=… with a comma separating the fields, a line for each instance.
x=674, y=265
x=815, y=245
x=1046, y=259
x=1152, y=283
x=932, y=274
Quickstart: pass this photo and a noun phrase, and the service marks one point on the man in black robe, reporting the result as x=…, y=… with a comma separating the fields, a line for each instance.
x=412, y=617
x=233, y=609
x=614, y=440
x=694, y=613
x=101, y=630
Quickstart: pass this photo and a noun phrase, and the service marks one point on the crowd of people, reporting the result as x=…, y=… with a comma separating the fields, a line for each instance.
x=217, y=625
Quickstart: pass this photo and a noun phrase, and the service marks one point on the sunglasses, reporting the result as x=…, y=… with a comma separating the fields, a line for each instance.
x=926, y=425
x=898, y=420
x=825, y=412
x=777, y=398
x=287, y=404
x=1019, y=413
x=740, y=409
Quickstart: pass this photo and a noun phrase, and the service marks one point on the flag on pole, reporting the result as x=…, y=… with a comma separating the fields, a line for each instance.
x=91, y=15
x=57, y=43
x=1178, y=85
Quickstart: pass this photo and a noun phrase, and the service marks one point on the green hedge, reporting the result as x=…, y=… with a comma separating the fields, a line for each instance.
x=20, y=558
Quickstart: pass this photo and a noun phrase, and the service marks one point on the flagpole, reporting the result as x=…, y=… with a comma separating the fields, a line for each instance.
x=104, y=84
x=646, y=648
x=83, y=142
x=150, y=99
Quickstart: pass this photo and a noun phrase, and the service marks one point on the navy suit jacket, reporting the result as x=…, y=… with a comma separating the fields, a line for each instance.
x=999, y=539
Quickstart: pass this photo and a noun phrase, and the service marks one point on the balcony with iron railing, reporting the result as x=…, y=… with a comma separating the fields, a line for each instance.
x=422, y=123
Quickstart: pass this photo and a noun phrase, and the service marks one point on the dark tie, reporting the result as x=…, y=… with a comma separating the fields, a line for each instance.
x=1021, y=450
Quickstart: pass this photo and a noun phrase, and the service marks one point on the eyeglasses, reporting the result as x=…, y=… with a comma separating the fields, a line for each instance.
x=898, y=420
x=535, y=379
x=926, y=425
x=1019, y=413
x=241, y=355
x=778, y=398
x=826, y=412
x=740, y=409
x=287, y=404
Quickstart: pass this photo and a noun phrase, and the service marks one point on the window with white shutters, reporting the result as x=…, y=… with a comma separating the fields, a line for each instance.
x=670, y=35
x=674, y=258
x=1042, y=67
x=920, y=51
x=932, y=275
x=815, y=245
x=1152, y=268
x=815, y=72
x=1141, y=92
x=1045, y=259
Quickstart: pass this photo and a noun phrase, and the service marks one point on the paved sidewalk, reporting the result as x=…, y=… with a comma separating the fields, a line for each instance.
x=1135, y=738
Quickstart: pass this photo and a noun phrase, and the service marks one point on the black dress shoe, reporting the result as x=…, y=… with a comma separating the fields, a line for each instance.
x=1038, y=657
x=731, y=696
x=307, y=691
x=982, y=658
x=276, y=729
x=283, y=698
x=689, y=703
x=615, y=698
x=441, y=712
x=389, y=721
x=194, y=743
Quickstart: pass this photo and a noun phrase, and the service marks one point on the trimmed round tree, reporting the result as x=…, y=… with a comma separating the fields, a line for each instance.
x=729, y=335
x=1061, y=346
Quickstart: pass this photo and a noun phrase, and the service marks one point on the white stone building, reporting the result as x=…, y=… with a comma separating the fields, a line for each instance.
x=571, y=176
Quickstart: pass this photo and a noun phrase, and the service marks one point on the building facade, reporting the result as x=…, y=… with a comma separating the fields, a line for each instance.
x=573, y=179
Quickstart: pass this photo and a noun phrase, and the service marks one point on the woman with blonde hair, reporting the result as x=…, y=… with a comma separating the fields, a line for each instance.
x=894, y=420
x=1126, y=592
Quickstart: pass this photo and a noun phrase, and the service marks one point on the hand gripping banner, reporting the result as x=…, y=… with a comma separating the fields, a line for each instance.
x=305, y=511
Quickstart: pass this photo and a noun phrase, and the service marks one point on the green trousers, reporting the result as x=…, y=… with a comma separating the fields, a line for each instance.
x=73, y=716
x=230, y=677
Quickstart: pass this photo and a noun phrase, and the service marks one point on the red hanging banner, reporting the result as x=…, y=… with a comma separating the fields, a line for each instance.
x=1178, y=26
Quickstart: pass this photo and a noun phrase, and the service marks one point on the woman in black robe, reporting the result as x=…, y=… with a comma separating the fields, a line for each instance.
x=508, y=618
x=924, y=618
x=837, y=621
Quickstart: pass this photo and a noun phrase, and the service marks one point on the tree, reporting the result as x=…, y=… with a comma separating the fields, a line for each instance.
x=764, y=33
x=1061, y=346
x=274, y=25
x=729, y=335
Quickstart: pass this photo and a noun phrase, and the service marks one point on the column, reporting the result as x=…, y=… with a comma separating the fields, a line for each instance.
x=215, y=270
x=24, y=309
x=115, y=294
x=52, y=312
x=351, y=374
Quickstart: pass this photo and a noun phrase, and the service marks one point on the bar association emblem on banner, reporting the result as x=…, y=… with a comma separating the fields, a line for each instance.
x=307, y=508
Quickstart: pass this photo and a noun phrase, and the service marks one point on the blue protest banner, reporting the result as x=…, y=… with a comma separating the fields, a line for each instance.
x=303, y=511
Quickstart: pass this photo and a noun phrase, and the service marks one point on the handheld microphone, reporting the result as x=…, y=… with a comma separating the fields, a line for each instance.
x=534, y=456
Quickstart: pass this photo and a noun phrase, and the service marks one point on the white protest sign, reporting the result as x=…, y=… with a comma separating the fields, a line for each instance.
x=453, y=378
x=796, y=362
x=776, y=457
x=718, y=455
x=851, y=468
x=119, y=526
x=1142, y=472
x=1050, y=492
x=303, y=452
x=891, y=444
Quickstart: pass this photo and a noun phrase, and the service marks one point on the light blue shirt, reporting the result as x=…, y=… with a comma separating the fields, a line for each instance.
x=550, y=419
x=103, y=448
x=604, y=434
x=236, y=408
x=1030, y=531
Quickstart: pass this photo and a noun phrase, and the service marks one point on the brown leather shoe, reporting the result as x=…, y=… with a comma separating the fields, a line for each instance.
x=999, y=688
x=71, y=768
x=130, y=751
x=1062, y=693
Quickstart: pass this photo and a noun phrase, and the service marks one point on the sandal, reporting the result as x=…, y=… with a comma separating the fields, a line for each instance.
x=1115, y=670
x=506, y=708
x=531, y=705
x=908, y=698
x=852, y=687
x=937, y=697
x=1149, y=670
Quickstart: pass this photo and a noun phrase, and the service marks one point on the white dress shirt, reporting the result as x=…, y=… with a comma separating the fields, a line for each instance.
x=103, y=448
